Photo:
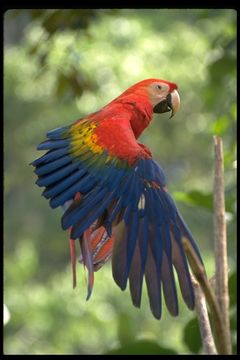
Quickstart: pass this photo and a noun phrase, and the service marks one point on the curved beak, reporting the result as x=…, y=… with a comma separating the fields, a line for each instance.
x=171, y=103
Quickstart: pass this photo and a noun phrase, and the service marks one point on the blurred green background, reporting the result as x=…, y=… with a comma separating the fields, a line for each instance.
x=60, y=65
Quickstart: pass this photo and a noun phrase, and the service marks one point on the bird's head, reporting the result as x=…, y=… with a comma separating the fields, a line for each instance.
x=162, y=94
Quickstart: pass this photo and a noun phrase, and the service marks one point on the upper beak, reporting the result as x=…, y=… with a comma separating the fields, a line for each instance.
x=172, y=102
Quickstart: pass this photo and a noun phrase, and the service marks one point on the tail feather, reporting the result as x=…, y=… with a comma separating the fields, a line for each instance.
x=168, y=280
x=153, y=285
x=139, y=263
x=181, y=266
x=136, y=278
x=87, y=260
x=131, y=241
x=186, y=232
x=119, y=255
x=101, y=245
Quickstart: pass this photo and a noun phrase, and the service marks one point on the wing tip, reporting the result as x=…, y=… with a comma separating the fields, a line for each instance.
x=157, y=314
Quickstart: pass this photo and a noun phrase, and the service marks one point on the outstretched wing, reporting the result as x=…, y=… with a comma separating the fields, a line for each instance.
x=126, y=196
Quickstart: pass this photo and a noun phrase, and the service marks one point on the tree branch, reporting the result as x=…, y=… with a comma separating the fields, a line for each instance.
x=218, y=304
x=200, y=274
x=203, y=320
x=220, y=241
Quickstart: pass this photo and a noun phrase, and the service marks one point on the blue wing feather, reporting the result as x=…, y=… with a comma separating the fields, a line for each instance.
x=57, y=175
x=53, y=165
x=53, y=144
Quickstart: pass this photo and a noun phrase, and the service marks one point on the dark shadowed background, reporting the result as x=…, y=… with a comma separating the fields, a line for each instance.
x=60, y=65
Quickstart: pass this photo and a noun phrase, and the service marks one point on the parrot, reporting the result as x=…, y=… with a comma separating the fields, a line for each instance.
x=115, y=200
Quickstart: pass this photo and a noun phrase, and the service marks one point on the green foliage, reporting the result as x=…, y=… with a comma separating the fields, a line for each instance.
x=195, y=198
x=60, y=65
x=233, y=311
x=205, y=200
x=233, y=288
x=142, y=348
x=192, y=337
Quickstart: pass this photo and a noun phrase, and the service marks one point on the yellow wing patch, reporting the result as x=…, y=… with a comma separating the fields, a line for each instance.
x=83, y=139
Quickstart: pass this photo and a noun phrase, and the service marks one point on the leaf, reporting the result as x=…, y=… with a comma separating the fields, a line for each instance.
x=233, y=111
x=192, y=337
x=233, y=325
x=142, y=347
x=221, y=67
x=205, y=200
x=196, y=198
x=220, y=126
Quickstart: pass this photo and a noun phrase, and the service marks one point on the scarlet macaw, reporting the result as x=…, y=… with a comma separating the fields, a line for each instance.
x=115, y=198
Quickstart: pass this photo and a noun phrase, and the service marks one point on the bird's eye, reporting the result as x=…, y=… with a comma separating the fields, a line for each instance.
x=159, y=87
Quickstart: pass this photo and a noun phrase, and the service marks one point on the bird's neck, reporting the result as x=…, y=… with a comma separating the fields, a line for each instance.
x=141, y=114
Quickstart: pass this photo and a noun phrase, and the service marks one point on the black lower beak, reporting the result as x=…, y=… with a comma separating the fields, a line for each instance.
x=164, y=105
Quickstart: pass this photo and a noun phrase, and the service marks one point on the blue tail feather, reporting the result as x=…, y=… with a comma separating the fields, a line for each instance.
x=131, y=240
x=139, y=262
x=181, y=266
x=169, y=286
x=185, y=230
x=153, y=285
